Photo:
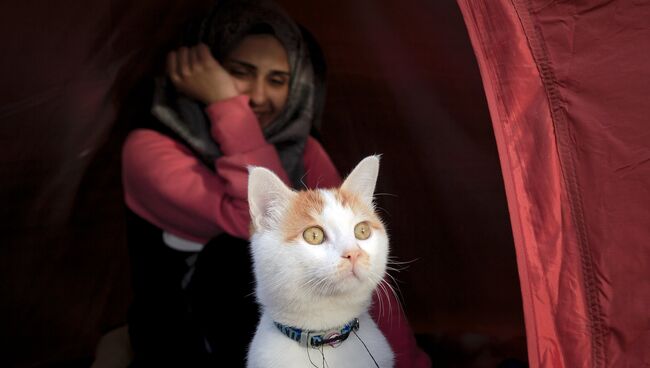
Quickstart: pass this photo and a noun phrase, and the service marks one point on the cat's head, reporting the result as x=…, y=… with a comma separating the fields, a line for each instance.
x=320, y=245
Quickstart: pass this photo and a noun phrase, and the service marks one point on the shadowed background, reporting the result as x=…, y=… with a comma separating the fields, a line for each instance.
x=402, y=82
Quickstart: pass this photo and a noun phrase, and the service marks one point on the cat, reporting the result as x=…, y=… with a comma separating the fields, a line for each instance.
x=318, y=256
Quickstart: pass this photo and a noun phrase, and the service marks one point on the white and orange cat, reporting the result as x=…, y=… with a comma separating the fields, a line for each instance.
x=318, y=256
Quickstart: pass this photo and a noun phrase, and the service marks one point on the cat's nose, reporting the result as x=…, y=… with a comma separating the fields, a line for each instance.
x=352, y=255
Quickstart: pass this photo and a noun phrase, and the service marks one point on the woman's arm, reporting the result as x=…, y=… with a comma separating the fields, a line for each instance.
x=166, y=184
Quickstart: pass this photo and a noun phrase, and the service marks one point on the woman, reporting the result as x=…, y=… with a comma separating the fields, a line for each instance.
x=248, y=94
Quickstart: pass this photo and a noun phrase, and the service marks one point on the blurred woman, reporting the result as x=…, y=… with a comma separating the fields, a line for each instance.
x=247, y=89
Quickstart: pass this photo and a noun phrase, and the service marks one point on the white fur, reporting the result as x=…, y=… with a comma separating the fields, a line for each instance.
x=305, y=286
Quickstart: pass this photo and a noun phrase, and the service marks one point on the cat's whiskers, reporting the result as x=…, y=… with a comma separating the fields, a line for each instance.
x=395, y=294
x=385, y=287
x=393, y=285
x=381, y=302
x=377, y=208
x=316, y=285
x=390, y=304
x=389, y=267
x=377, y=280
x=386, y=194
x=387, y=273
x=392, y=263
x=393, y=260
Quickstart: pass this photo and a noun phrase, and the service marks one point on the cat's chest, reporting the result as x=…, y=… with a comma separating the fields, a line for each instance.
x=271, y=349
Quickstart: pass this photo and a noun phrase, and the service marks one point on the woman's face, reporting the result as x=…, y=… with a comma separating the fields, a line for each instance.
x=260, y=69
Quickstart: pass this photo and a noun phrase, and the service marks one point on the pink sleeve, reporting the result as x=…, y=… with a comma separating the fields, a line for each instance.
x=390, y=319
x=167, y=185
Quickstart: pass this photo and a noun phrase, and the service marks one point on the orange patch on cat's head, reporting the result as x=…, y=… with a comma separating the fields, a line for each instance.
x=352, y=201
x=302, y=213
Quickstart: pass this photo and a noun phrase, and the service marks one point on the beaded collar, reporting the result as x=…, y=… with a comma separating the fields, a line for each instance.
x=315, y=339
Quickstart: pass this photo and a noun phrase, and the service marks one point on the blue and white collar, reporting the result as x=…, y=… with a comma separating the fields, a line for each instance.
x=315, y=339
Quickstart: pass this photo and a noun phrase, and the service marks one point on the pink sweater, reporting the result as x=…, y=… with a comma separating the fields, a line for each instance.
x=166, y=184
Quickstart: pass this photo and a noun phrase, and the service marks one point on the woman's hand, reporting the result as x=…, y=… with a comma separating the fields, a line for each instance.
x=196, y=73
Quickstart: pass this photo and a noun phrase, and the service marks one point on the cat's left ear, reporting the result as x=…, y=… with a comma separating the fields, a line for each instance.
x=268, y=196
x=363, y=178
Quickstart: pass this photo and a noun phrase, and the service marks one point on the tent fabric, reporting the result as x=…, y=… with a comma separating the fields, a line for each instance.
x=567, y=85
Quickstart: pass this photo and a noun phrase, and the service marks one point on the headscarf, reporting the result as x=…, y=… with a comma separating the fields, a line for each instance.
x=228, y=22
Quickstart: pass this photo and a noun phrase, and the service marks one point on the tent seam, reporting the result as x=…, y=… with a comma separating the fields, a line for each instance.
x=568, y=167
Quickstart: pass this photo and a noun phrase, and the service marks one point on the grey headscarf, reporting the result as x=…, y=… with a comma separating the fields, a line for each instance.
x=226, y=25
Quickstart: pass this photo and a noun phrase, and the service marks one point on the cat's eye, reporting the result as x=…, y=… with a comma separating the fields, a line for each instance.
x=362, y=231
x=314, y=235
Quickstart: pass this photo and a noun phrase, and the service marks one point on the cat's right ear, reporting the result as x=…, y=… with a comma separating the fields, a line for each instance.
x=363, y=178
x=268, y=197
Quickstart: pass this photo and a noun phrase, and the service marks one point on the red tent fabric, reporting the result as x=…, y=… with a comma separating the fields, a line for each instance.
x=567, y=85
